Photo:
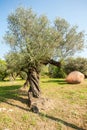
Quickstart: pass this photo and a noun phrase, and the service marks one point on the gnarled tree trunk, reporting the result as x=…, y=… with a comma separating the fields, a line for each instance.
x=33, y=79
x=34, y=90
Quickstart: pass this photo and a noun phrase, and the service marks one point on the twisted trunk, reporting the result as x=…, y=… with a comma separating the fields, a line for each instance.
x=33, y=79
x=34, y=90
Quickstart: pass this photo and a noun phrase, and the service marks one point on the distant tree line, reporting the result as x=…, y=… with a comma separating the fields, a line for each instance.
x=71, y=64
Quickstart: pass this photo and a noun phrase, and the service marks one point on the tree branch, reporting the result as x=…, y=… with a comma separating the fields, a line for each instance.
x=56, y=63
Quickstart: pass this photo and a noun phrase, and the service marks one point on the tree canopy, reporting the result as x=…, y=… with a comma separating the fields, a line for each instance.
x=31, y=37
x=36, y=41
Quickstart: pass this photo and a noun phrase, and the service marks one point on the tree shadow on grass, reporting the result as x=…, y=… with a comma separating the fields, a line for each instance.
x=59, y=81
x=49, y=117
x=62, y=121
x=11, y=92
x=15, y=105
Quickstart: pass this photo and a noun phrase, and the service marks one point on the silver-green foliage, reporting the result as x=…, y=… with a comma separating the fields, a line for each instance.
x=34, y=40
x=31, y=37
x=72, y=40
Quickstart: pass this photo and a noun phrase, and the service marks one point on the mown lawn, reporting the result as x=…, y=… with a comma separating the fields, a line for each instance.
x=67, y=109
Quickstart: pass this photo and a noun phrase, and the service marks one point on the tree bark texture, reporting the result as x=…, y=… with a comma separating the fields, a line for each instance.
x=34, y=90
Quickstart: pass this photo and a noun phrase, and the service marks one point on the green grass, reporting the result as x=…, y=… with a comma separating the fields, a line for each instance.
x=58, y=88
x=8, y=92
x=69, y=112
x=5, y=119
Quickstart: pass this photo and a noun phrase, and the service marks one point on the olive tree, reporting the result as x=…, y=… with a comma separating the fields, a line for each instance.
x=34, y=42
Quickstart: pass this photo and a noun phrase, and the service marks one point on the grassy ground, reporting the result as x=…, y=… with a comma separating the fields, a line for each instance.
x=67, y=111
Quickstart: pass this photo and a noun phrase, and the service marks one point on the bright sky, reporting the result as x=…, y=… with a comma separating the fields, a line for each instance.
x=74, y=11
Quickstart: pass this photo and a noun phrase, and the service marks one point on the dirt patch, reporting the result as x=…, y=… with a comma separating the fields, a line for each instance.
x=43, y=104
